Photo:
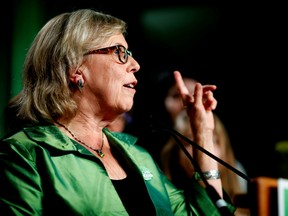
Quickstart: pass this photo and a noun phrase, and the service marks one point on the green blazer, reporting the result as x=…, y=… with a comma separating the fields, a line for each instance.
x=44, y=172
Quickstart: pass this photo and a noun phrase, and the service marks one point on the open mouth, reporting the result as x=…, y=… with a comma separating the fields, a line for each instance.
x=130, y=85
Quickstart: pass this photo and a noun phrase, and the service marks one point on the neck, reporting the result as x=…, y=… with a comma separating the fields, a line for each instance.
x=97, y=150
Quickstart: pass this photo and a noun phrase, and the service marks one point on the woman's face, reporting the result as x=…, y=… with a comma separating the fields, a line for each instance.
x=110, y=84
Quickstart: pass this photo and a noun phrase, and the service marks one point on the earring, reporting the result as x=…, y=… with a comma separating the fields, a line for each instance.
x=80, y=84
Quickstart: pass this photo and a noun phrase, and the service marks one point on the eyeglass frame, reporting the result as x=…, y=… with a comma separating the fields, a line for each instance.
x=111, y=49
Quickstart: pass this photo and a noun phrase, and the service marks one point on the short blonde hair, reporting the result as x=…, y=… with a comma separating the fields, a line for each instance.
x=58, y=48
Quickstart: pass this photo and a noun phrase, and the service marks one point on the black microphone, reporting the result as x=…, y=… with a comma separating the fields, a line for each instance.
x=154, y=128
x=220, y=204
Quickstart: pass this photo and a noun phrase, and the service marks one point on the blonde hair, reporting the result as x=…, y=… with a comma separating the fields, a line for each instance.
x=57, y=50
x=229, y=179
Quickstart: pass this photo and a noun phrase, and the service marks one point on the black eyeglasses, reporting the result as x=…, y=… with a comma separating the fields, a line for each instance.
x=120, y=50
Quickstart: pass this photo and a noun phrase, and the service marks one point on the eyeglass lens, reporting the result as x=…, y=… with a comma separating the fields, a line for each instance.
x=123, y=53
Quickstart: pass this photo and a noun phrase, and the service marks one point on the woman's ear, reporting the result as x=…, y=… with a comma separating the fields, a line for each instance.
x=76, y=79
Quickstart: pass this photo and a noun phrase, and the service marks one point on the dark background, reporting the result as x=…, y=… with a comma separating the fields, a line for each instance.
x=242, y=48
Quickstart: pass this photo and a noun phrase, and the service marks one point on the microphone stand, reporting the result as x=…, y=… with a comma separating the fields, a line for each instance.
x=212, y=193
x=194, y=144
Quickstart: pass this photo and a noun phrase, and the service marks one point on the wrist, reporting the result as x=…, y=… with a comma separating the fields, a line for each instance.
x=208, y=175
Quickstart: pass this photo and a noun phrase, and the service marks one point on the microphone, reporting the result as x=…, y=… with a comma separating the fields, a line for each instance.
x=220, y=203
x=194, y=144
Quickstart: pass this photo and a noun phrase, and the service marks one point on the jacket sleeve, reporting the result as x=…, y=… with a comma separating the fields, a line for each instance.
x=18, y=175
x=196, y=200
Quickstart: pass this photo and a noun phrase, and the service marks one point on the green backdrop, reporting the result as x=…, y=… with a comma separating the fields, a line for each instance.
x=20, y=26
